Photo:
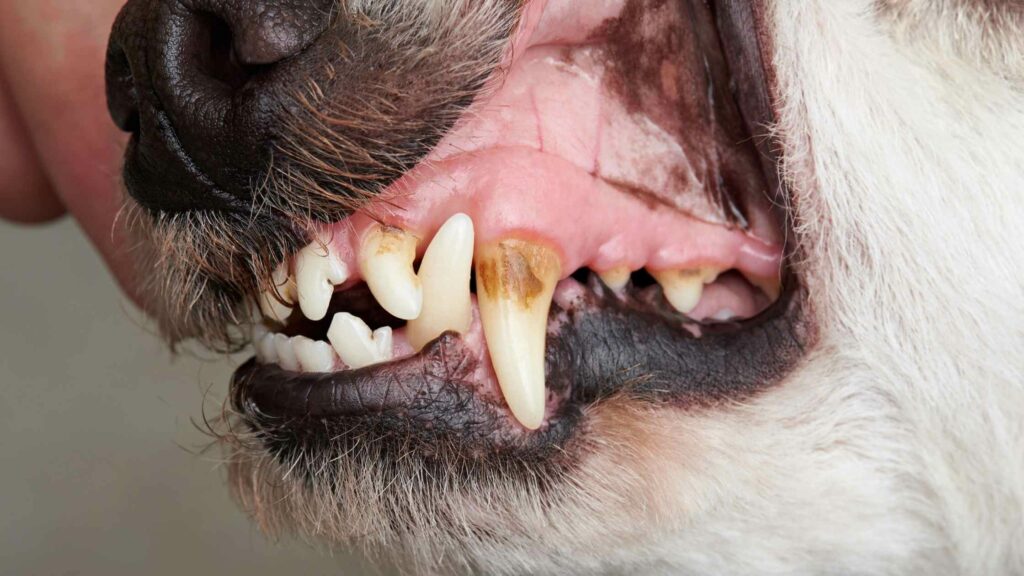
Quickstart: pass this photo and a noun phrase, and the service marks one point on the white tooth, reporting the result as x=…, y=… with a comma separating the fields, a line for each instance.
x=266, y=351
x=286, y=357
x=317, y=272
x=515, y=284
x=384, y=339
x=385, y=259
x=616, y=278
x=272, y=307
x=313, y=355
x=444, y=272
x=355, y=344
x=683, y=288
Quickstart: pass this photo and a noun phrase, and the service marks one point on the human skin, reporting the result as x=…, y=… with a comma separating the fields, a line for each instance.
x=60, y=154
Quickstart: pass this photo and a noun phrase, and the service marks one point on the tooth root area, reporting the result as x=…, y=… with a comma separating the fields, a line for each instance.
x=515, y=284
x=386, y=258
x=317, y=272
x=356, y=344
x=444, y=273
x=276, y=304
x=684, y=288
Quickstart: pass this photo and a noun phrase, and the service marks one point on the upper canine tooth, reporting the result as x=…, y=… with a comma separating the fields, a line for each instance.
x=270, y=304
x=444, y=273
x=515, y=283
x=355, y=344
x=385, y=259
x=683, y=288
x=313, y=355
x=317, y=272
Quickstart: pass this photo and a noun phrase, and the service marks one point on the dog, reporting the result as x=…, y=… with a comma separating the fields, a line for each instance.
x=618, y=286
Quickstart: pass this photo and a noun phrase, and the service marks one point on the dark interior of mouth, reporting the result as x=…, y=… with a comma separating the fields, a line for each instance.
x=601, y=342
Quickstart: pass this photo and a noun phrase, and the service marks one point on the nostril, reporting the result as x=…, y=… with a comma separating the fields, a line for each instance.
x=217, y=56
x=122, y=92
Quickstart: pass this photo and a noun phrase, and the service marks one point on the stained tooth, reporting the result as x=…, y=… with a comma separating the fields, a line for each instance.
x=317, y=272
x=385, y=259
x=285, y=349
x=355, y=344
x=515, y=284
x=616, y=278
x=445, y=272
x=270, y=305
x=313, y=355
x=683, y=288
x=266, y=351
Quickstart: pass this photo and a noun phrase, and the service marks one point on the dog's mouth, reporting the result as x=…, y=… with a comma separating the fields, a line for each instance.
x=602, y=223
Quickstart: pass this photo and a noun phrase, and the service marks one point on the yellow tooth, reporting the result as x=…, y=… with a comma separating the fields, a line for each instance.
x=445, y=272
x=616, y=278
x=515, y=284
x=317, y=272
x=385, y=259
x=272, y=307
x=683, y=288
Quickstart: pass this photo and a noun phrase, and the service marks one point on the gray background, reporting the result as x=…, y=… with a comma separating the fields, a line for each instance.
x=97, y=470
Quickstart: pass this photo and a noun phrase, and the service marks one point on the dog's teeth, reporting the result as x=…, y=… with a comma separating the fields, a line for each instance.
x=515, y=283
x=355, y=344
x=317, y=272
x=270, y=305
x=285, y=349
x=616, y=278
x=266, y=351
x=385, y=259
x=683, y=288
x=313, y=355
x=444, y=273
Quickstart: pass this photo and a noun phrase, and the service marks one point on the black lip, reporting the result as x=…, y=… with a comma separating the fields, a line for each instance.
x=606, y=345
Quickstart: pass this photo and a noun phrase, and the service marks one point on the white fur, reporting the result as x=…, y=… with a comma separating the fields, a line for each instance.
x=899, y=448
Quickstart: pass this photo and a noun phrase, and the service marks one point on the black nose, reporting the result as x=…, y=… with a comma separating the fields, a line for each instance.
x=200, y=84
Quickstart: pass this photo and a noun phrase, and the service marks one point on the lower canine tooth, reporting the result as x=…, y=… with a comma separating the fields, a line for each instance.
x=270, y=304
x=683, y=288
x=286, y=357
x=313, y=355
x=444, y=272
x=385, y=259
x=515, y=283
x=317, y=272
x=355, y=344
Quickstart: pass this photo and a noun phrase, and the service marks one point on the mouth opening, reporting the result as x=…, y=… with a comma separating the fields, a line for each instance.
x=600, y=224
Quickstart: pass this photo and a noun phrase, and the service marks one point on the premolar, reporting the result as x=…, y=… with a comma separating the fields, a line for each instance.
x=515, y=283
x=313, y=355
x=683, y=288
x=445, y=272
x=386, y=261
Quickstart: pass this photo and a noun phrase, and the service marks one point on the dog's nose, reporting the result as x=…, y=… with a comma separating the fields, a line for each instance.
x=201, y=84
